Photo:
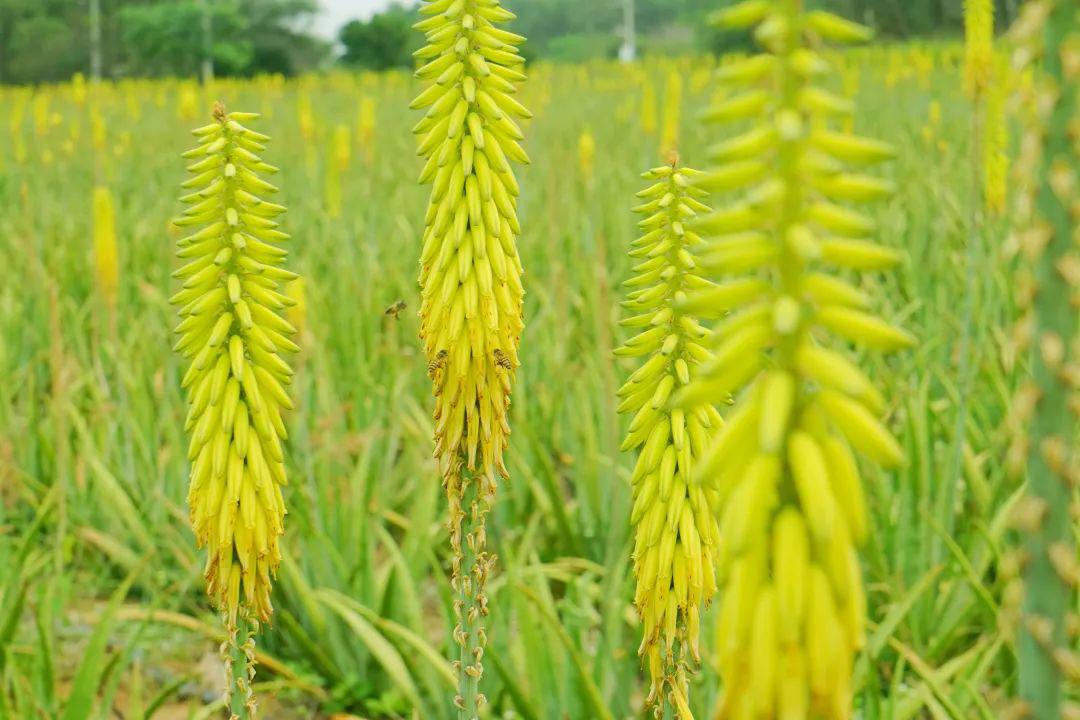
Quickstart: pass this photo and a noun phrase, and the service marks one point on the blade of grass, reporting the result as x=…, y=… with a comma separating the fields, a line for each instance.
x=381, y=649
x=80, y=701
x=592, y=693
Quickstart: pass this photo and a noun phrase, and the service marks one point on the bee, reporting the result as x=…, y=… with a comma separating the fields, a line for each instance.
x=395, y=309
x=437, y=364
x=502, y=361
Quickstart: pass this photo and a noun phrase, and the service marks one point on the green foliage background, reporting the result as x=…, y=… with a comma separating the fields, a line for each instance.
x=47, y=40
x=92, y=450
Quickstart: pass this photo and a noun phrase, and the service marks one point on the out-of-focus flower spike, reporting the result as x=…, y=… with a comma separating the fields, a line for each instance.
x=471, y=309
x=787, y=488
x=673, y=545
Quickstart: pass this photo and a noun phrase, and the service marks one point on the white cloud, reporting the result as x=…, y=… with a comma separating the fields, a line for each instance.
x=335, y=13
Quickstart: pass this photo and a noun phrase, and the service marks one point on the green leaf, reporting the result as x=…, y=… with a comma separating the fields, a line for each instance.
x=382, y=649
x=80, y=702
x=592, y=693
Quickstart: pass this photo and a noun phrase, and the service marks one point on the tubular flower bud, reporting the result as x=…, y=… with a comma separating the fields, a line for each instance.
x=470, y=279
x=783, y=467
x=233, y=336
x=675, y=531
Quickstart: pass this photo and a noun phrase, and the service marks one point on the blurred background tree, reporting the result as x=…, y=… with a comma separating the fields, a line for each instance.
x=42, y=39
x=47, y=40
x=166, y=38
x=558, y=30
x=383, y=42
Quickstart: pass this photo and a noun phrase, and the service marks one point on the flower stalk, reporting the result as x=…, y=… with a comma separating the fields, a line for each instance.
x=238, y=656
x=470, y=280
x=232, y=335
x=675, y=532
x=784, y=466
x=1047, y=406
x=106, y=255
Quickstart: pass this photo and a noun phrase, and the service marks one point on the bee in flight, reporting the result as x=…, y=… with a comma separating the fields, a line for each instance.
x=502, y=361
x=396, y=309
x=437, y=364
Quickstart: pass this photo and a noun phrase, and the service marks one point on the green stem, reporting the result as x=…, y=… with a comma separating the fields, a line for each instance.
x=470, y=499
x=790, y=265
x=1053, y=427
x=238, y=654
x=965, y=360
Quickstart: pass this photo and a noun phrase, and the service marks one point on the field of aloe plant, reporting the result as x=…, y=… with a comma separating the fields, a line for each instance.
x=103, y=603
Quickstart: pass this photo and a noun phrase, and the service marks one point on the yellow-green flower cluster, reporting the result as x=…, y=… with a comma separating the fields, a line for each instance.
x=587, y=156
x=784, y=465
x=470, y=279
x=996, y=142
x=978, y=46
x=106, y=260
x=232, y=333
x=471, y=274
x=673, y=93
x=675, y=529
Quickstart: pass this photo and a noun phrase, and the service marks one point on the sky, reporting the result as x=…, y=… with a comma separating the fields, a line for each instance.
x=335, y=13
